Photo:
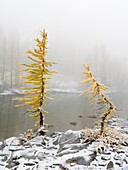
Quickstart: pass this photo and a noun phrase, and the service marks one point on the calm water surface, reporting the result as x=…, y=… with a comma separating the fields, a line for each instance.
x=66, y=111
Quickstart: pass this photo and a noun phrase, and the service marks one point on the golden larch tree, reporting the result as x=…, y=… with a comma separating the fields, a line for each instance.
x=37, y=76
x=97, y=97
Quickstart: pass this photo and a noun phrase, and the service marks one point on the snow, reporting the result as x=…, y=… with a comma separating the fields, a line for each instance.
x=6, y=92
x=64, y=150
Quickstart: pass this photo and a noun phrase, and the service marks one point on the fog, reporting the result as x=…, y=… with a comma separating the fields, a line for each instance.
x=93, y=32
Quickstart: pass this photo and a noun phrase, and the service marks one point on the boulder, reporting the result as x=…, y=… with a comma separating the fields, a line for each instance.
x=110, y=165
x=70, y=137
x=8, y=141
x=28, y=153
x=80, y=160
x=16, y=142
x=38, y=141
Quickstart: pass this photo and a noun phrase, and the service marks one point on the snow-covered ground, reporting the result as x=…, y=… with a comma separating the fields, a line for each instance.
x=15, y=91
x=62, y=151
x=58, y=90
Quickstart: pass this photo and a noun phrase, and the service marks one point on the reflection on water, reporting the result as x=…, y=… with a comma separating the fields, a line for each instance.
x=66, y=111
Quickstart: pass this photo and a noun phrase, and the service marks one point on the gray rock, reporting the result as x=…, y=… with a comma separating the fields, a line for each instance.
x=106, y=153
x=125, y=130
x=119, y=163
x=5, y=151
x=92, y=156
x=8, y=141
x=58, y=166
x=106, y=157
x=80, y=160
x=10, y=162
x=70, y=137
x=41, y=156
x=126, y=154
x=16, y=148
x=78, y=146
x=16, y=155
x=16, y=142
x=73, y=123
x=19, y=161
x=125, y=160
x=51, y=147
x=1, y=145
x=28, y=153
x=102, y=163
x=71, y=147
x=3, y=158
x=10, y=165
x=38, y=141
x=110, y=165
x=31, y=163
x=66, y=152
x=56, y=141
x=120, y=151
x=117, y=157
x=56, y=137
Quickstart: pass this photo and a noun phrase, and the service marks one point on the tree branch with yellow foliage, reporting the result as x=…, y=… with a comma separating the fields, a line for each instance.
x=97, y=97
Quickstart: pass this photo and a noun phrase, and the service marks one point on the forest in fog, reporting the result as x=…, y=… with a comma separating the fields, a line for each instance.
x=108, y=70
x=79, y=32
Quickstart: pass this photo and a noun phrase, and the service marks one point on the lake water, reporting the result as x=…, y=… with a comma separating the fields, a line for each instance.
x=66, y=111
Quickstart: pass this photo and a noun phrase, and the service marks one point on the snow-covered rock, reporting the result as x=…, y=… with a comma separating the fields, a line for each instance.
x=1, y=145
x=63, y=150
x=38, y=141
x=9, y=141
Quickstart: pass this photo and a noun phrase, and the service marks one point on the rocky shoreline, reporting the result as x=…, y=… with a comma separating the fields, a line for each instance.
x=64, y=151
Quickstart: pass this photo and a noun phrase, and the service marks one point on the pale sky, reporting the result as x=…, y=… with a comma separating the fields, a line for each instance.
x=71, y=24
x=98, y=20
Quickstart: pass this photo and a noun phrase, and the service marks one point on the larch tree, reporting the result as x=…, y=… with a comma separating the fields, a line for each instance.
x=37, y=76
x=97, y=97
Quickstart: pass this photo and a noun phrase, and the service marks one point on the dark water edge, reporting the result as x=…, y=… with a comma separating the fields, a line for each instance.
x=66, y=111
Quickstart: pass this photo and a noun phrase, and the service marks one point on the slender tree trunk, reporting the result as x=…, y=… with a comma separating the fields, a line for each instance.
x=42, y=91
x=102, y=123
